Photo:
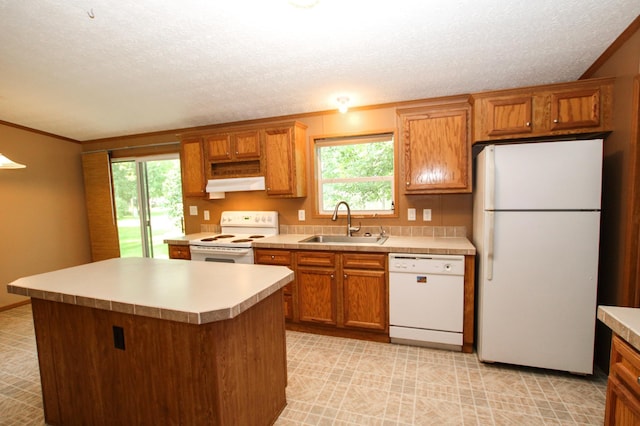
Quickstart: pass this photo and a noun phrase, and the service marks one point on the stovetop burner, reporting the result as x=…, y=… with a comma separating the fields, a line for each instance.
x=242, y=240
x=217, y=237
x=256, y=236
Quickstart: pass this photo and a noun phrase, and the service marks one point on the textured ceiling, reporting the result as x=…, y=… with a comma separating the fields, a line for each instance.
x=89, y=69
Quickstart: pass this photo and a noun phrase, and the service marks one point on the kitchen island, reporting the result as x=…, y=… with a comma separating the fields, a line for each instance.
x=153, y=341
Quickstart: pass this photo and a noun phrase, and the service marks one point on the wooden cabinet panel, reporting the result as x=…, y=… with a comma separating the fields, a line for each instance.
x=583, y=106
x=218, y=147
x=510, y=115
x=192, y=162
x=575, y=109
x=283, y=258
x=285, y=160
x=364, y=261
x=316, y=258
x=437, y=149
x=317, y=292
x=179, y=252
x=623, y=389
x=247, y=145
x=365, y=299
x=233, y=146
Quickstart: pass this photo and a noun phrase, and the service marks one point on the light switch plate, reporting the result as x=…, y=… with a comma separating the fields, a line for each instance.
x=301, y=215
x=426, y=215
x=206, y=215
x=411, y=214
x=193, y=210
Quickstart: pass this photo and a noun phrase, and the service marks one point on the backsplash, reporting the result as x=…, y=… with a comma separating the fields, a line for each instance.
x=399, y=231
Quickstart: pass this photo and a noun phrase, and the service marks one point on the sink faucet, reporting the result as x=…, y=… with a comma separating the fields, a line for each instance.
x=350, y=228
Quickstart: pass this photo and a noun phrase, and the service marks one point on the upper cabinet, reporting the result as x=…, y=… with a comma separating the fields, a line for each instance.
x=277, y=152
x=233, y=146
x=192, y=159
x=435, y=140
x=285, y=160
x=583, y=106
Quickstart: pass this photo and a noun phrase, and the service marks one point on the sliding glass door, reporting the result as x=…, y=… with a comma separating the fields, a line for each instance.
x=148, y=199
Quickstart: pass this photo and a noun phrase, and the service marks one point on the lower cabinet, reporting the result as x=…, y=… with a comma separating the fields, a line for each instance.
x=623, y=389
x=281, y=258
x=335, y=293
x=179, y=252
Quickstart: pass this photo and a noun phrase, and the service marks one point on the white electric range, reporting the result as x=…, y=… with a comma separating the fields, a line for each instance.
x=238, y=231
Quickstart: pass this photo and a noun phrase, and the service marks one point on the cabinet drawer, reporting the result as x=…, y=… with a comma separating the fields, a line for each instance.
x=363, y=261
x=625, y=364
x=179, y=252
x=316, y=258
x=273, y=257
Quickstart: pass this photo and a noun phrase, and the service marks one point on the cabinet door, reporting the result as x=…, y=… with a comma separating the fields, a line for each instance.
x=279, y=170
x=623, y=388
x=365, y=299
x=192, y=161
x=437, y=152
x=247, y=145
x=509, y=116
x=575, y=109
x=283, y=258
x=317, y=295
x=218, y=147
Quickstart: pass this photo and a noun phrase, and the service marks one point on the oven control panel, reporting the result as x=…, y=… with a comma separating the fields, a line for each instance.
x=267, y=219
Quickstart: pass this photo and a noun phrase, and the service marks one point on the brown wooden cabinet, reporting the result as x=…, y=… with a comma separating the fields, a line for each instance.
x=365, y=293
x=179, y=252
x=348, y=290
x=623, y=389
x=282, y=258
x=317, y=282
x=584, y=106
x=233, y=146
x=285, y=160
x=192, y=162
x=436, y=146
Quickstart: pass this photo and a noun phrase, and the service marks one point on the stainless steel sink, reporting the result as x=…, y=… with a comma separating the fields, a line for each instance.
x=343, y=239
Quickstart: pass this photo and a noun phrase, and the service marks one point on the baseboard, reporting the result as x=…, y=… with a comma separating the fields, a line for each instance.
x=15, y=305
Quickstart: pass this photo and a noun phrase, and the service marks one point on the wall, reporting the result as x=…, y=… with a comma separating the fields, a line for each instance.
x=43, y=223
x=447, y=210
x=624, y=64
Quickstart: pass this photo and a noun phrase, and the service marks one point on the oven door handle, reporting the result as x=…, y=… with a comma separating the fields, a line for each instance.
x=215, y=250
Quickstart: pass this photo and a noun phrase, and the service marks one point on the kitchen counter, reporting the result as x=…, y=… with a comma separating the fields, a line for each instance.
x=625, y=322
x=156, y=341
x=193, y=292
x=394, y=244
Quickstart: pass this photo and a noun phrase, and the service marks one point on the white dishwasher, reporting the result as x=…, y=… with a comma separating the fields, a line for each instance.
x=426, y=300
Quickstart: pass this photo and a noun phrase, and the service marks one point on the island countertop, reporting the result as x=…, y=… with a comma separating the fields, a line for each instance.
x=191, y=292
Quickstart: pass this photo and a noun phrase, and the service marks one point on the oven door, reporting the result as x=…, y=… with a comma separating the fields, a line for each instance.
x=221, y=254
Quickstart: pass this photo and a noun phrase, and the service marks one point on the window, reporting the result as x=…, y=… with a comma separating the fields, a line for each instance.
x=148, y=199
x=358, y=170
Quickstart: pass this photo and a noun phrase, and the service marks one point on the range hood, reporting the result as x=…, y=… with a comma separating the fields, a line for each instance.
x=217, y=187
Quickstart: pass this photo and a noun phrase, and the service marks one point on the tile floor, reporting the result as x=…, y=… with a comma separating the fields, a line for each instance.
x=334, y=381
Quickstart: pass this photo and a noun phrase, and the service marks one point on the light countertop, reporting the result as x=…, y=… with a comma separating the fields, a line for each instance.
x=176, y=290
x=394, y=244
x=625, y=322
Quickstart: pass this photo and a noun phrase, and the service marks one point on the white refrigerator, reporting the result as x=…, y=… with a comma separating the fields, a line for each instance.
x=536, y=228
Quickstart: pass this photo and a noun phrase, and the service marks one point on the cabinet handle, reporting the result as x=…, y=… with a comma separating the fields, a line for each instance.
x=639, y=380
x=331, y=276
x=236, y=152
x=272, y=257
x=345, y=276
x=555, y=120
x=407, y=183
x=528, y=124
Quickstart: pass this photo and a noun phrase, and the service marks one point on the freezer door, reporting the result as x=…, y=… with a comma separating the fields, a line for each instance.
x=539, y=307
x=563, y=175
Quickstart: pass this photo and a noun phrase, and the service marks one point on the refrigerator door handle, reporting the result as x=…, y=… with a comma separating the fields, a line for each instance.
x=490, y=201
x=489, y=251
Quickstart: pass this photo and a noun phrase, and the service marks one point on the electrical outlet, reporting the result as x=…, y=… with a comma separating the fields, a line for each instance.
x=426, y=215
x=411, y=214
x=301, y=215
x=206, y=215
x=193, y=210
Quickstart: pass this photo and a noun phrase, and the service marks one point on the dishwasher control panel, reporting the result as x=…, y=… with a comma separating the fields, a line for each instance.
x=426, y=264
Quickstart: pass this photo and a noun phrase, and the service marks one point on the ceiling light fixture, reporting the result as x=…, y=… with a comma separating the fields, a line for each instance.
x=343, y=104
x=5, y=163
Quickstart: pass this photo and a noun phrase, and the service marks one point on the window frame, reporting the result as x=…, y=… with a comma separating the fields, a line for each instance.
x=346, y=139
